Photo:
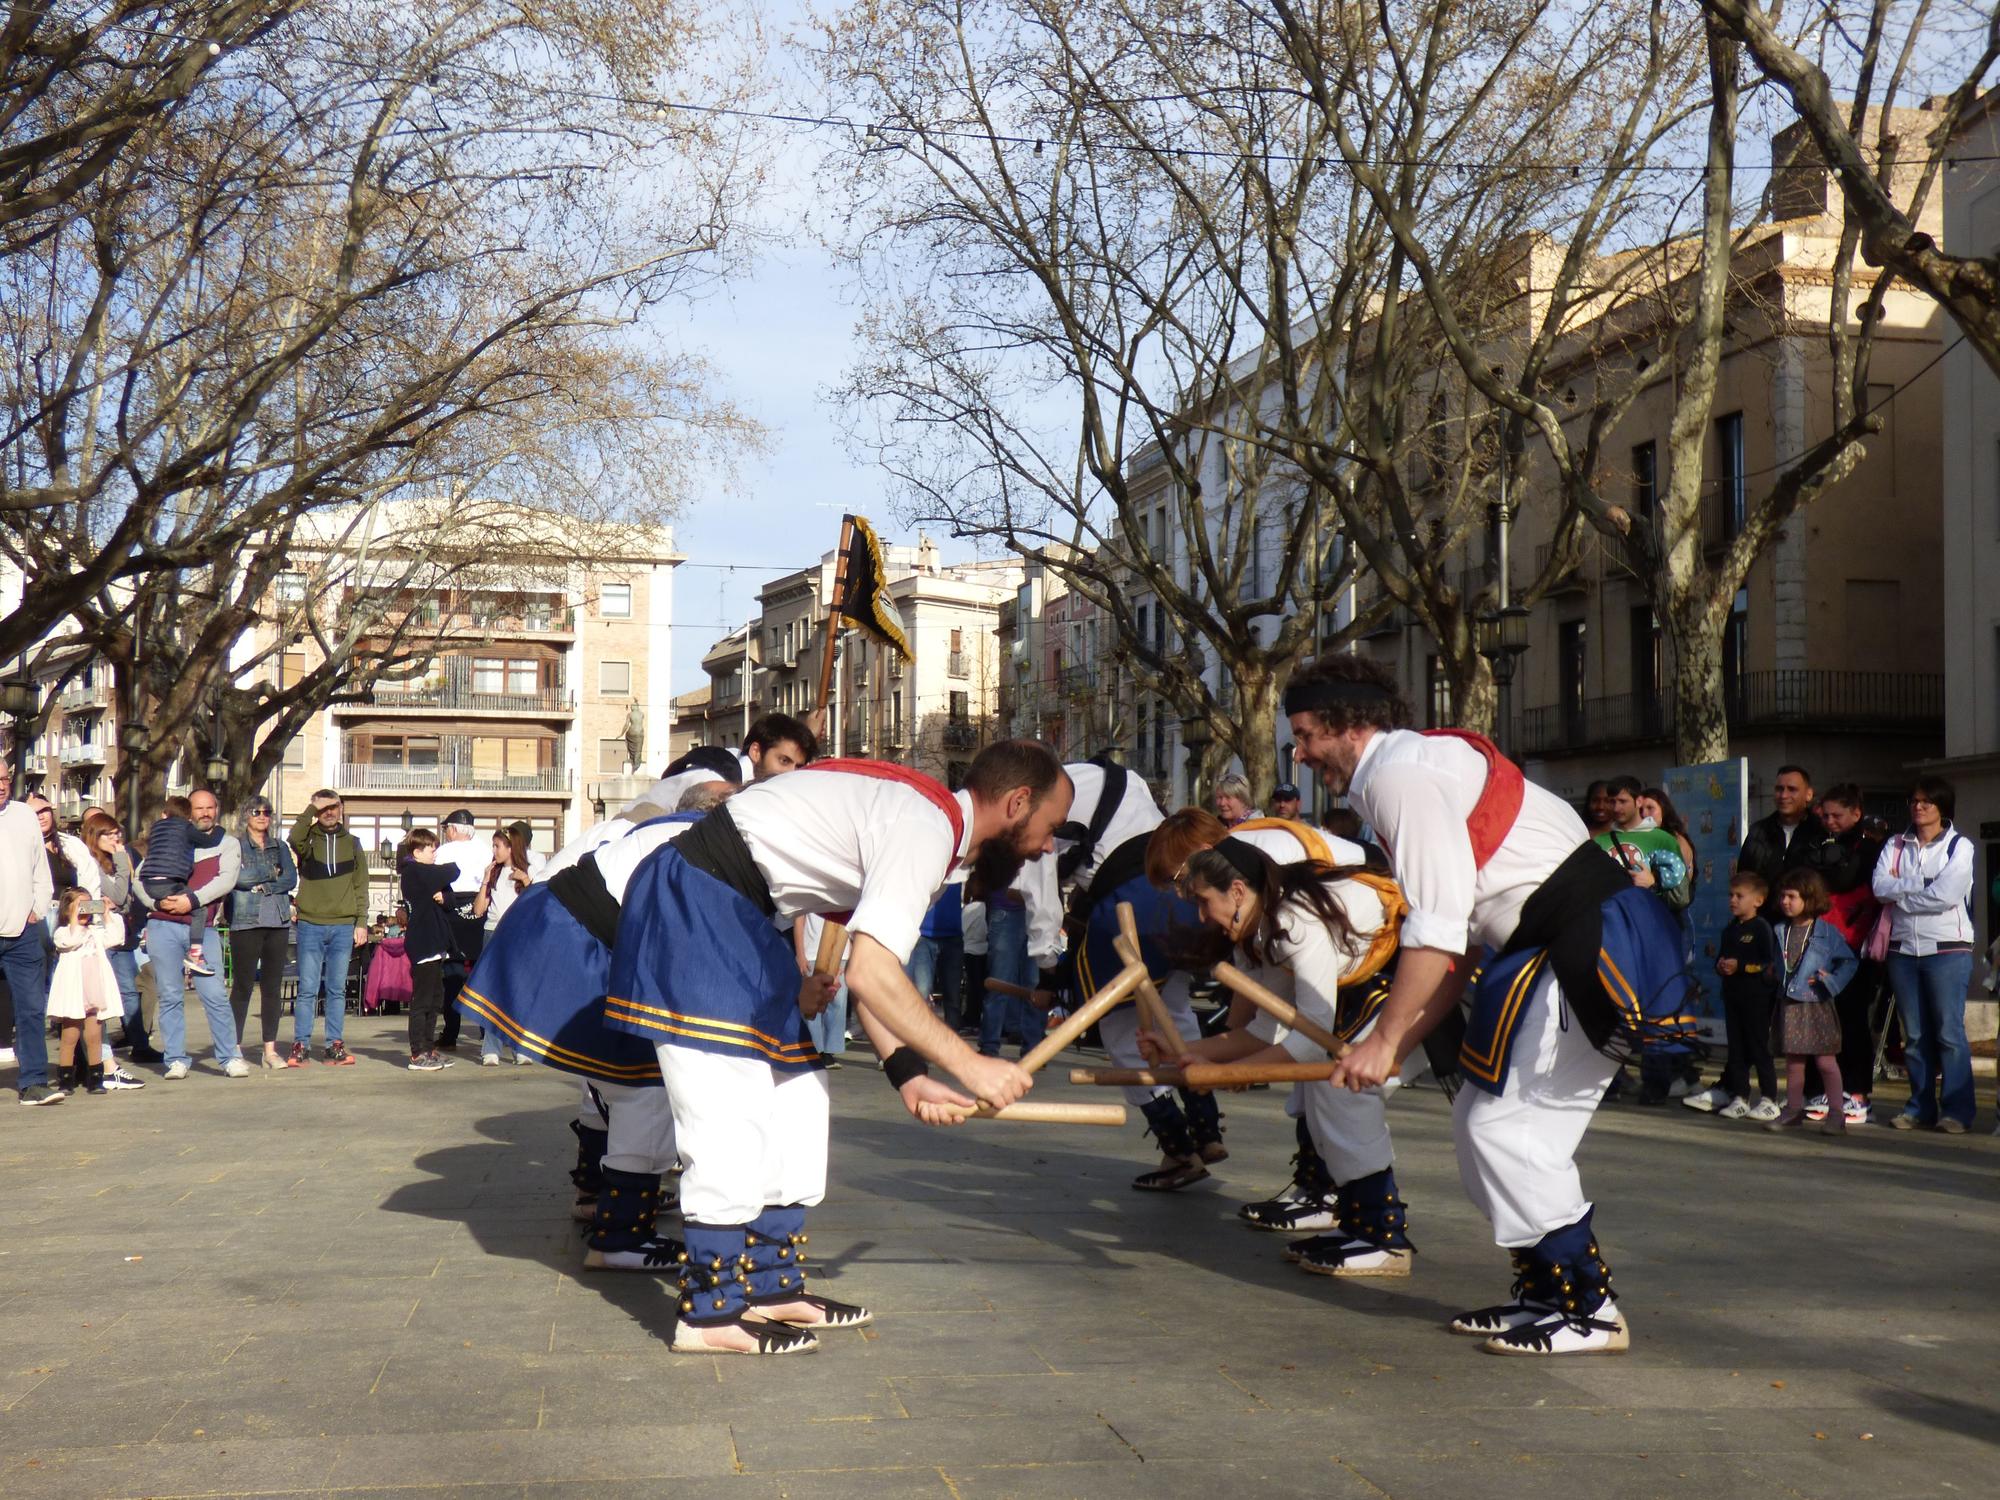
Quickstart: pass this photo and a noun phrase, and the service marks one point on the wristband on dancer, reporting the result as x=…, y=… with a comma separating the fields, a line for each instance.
x=905, y=1063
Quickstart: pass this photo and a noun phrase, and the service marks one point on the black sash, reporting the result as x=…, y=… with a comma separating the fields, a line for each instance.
x=1564, y=916
x=1085, y=836
x=581, y=892
x=716, y=847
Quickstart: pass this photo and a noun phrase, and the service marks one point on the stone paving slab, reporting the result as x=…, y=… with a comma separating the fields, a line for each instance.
x=364, y=1282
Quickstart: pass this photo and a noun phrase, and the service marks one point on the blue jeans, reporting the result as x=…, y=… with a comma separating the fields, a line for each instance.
x=828, y=1029
x=21, y=962
x=125, y=964
x=938, y=963
x=1930, y=997
x=324, y=950
x=1007, y=958
x=167, y=944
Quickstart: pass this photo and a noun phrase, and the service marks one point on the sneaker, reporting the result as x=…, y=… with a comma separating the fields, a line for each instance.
x=441, y=1060
x=1297, y=1216
x=7, y=1055
x=177, y=1070
x=828, y=1061
x=41, y=1093
x=337, y=1056
x=199, y=966
x=1708, y=1101
x=1603, y=1332
x=489, y=1059
x=117, y=1078
x=1737, y=1108
x=659, y=1256
x=522, y=1060
x=297, y=1057
x=1816, y=1107
x=425, y=1062
x=1680, y=1088
x=236, y=1067
x=1905, y=1121
x=1764, y=1111
x=1950, y=1126
x=1856, y=1110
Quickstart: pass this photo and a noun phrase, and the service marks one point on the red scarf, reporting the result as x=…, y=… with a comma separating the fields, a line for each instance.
x=1499, y=801
x=929, y=787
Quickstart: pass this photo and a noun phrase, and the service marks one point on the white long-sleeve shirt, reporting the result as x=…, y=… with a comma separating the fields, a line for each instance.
x=1417, y=791
x=25, y=887
x=1925, y=886
x=1309, y=964
x=1042, y=889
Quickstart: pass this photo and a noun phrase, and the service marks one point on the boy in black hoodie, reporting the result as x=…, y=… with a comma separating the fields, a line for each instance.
x=1748, y=961
x=426, y=886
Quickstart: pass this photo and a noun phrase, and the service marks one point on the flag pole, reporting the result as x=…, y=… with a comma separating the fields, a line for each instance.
x=833, y=614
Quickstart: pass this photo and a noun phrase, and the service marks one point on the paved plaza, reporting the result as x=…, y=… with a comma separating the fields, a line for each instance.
x=365, y=1282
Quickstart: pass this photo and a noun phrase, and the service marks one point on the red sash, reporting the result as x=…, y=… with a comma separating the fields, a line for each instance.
x=929, y=787
x=1499, y=801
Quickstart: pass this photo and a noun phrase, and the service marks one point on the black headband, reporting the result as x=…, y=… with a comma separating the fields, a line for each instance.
x=1331, y=692
x=1245, y=859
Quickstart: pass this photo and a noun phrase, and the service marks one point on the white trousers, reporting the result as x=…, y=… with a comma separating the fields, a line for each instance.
x=588, y=1115
x=1349, y=1130
x=641, y=1131
x=1119, y=1029
x=1517, y=1149
x=749, y=1138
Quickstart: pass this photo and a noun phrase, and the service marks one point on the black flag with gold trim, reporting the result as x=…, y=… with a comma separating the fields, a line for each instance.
x=863, y=593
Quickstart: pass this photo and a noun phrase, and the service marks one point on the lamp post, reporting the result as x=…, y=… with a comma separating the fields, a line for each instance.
x=215, y=770
x=19, y=700
x=1503, y=636
x=1196, y=737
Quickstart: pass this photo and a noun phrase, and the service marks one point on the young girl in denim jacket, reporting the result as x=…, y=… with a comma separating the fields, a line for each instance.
x=1817, y=965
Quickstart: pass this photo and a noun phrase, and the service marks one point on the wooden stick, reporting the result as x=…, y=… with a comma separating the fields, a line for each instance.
x=1052, y=1114
x=1205, y=1075
x=1153, y=1012
x=1270, y=1004
x=1084, y=1017
x=832, y=943
x=1004, y=987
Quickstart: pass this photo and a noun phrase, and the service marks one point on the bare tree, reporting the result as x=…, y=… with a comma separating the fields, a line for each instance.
x=339, y=269
x=1118, y=273
x=1639, y=288
x=1883, y=53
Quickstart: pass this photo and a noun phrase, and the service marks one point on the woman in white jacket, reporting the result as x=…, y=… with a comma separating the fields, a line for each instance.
x=1924, y=879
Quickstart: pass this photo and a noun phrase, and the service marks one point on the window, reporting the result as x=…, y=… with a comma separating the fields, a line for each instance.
x=614, y=678
x=1649, y=672
x=611, y=757
x=489, y=675
x=295, y=753
x=404, y=750
x=961, y=707
x=1572, y=647
x=523, y=676
x=1730, y=472
x=291, y=588
x=614, y=601
x=1645, y=481
x=1735, y=652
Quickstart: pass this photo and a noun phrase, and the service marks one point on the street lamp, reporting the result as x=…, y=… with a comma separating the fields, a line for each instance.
x=409, y=820
x=215, y=770
x=1503, y=636
x=20, y=700
x=1196, y=737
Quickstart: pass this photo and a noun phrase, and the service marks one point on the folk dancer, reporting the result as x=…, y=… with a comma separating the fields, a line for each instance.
x=704, y=971
x=1582, y=955
x=1308, y=1203
x=1100, y=862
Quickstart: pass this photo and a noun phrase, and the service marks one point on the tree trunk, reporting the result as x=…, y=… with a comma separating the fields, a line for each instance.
x=1256, y=723
x=1694, y=626
x=1474, y=700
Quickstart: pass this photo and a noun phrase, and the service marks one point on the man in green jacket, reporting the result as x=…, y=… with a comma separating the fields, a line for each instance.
x=333, y=922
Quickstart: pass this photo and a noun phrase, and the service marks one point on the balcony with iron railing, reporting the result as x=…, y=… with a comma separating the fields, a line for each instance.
x=81, y=697
x=1880, y=703
x=449, y=778
x=83, y=754
x=960, y=735
x=457, y=684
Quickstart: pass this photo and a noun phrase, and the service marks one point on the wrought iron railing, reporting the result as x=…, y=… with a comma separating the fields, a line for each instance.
x=1882, y=702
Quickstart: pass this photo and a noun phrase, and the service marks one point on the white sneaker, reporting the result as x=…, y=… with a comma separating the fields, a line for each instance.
x=1765, y=1110
x=118, y=1078
x=489, y=1060
x=176, y=1071
x=1737, y=1108
x=1856, y=1111
x=1816, y=1107
x=236, y=1067
x=522, y=1060
x=1603, y=1332
x=1708, y=1101
x=7, y=1055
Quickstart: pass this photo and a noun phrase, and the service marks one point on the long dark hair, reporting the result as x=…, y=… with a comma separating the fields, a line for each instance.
x=517, y=856
x=1670, y=817
x=1275, y=884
